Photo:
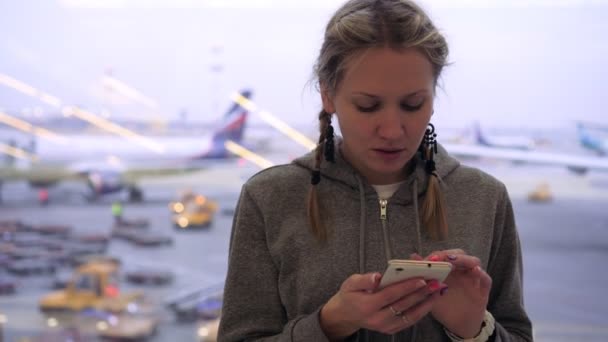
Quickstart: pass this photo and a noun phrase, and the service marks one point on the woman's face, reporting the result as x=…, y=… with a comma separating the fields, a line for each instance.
x=383, y=104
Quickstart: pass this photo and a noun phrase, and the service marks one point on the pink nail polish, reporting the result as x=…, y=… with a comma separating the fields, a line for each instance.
x=434, y=258
x=452, y=257
x=433, y=285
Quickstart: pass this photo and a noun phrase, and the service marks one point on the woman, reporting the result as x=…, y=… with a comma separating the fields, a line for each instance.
x=311, y=239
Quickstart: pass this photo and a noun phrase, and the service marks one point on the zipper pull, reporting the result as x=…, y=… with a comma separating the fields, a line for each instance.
x=383, y=205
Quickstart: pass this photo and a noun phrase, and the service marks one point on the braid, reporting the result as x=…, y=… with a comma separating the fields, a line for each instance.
x=434, y=210
x=320, y=149
x=434, y=207
x=314, y=213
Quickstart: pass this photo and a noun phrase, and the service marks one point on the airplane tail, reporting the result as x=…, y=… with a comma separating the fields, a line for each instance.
x=587, y=140
x=583, y=135
x=480, y=138
x=232, y=125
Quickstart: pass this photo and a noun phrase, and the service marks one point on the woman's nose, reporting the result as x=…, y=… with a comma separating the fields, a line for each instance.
x=390, y=125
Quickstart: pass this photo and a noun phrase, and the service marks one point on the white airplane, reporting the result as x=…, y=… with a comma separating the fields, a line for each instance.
x=109, y=164
x=575, y=163
x=508, y=142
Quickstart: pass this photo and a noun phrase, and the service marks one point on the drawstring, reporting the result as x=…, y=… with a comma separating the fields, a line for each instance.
x=362, y=240
x=419, y=240
x=361, y=227
x=417, y=218
x=418, y=244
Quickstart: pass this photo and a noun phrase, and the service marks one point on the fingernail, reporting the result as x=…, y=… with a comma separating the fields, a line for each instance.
x=433, y=285
x=452, y=257
x=420, y=284
x=443, y=291
x=434, y=258
x=374, y=276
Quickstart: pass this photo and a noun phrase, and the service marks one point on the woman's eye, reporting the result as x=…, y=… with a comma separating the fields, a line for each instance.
x=368, y=109
x=412, y=107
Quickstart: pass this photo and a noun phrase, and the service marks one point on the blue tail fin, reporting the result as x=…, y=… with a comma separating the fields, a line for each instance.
x=589, y=141
x=479, y=137
x=232, y=125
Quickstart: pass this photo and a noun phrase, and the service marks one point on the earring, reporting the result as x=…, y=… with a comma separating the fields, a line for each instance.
x=329, y=141
x=428, y=148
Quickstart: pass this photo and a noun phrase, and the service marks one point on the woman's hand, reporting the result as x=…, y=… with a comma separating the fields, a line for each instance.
x=461, y=309
x=358, y=304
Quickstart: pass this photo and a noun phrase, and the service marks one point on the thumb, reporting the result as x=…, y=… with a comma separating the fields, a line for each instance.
x=362, y=282
x=416, y=256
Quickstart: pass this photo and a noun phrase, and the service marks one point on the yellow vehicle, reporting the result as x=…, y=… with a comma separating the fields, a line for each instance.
x=541, y=194
x=193, y=211
x=189, y=197
x=93, y=285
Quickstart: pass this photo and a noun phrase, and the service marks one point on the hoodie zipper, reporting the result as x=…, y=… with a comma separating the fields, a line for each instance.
x=383, y=219
x=383, y=206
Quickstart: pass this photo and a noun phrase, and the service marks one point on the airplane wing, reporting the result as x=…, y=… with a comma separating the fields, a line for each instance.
x=46, y=174
x=575, y=163
x=134, y=172
x=102, y=175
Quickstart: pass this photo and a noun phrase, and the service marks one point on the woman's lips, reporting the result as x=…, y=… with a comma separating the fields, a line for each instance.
x=388, y=154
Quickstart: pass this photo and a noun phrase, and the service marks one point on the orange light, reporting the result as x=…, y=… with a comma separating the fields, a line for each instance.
x=111, y=291
x=200, y=200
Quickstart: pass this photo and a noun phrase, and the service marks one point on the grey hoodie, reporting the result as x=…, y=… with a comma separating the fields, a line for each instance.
x=279, y=276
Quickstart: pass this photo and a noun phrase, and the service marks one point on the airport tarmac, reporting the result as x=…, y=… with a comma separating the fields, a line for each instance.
x=565, y=243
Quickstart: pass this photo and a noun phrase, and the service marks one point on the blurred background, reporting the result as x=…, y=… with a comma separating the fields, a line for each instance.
x=127, y=128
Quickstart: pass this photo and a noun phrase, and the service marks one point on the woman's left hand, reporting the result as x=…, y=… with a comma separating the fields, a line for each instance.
x=462, y=308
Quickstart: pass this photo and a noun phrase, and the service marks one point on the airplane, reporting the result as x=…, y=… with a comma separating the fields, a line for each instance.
x=577, y=164
x=109, y=164
x=591, y=142
x=511, y=142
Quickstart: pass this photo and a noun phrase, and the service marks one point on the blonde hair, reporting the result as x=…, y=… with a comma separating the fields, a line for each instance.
x=360, y=25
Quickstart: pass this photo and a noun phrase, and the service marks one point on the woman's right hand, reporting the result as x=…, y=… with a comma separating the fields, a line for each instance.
x=358, y=304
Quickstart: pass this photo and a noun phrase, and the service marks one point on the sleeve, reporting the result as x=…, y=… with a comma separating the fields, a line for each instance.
x=252, y=309
x=506, y=269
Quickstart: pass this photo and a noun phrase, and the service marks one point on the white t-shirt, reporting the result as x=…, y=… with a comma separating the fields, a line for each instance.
x=386, y=191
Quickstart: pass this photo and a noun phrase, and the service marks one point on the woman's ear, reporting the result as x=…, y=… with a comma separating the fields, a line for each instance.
x=328, y=103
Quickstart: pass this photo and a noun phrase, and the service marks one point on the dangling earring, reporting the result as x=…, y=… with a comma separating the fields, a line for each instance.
x=329, y=141
x=428, y=149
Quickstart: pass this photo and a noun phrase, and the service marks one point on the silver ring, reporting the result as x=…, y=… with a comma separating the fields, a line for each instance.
x=395, y=312
x=405, y=319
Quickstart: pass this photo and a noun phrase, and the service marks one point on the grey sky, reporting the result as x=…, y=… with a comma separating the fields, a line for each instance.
x=516, y=63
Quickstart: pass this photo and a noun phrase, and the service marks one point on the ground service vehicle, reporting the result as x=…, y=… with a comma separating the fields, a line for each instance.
x=197, y=211
x=94, y=285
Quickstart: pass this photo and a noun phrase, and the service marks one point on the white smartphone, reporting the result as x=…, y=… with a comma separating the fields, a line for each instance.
x=399, y=270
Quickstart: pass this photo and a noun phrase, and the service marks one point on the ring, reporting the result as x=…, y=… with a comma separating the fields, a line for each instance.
x=405, y=320
x=395, y=312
